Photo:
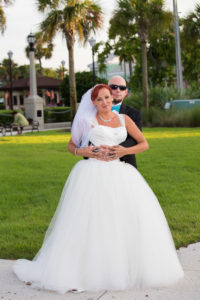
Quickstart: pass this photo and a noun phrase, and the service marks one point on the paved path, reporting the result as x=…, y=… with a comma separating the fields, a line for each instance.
x=25, y=131
x=187, y=289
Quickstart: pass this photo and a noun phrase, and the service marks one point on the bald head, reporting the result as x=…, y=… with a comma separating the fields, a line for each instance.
x=118, y=94
x=117, y=80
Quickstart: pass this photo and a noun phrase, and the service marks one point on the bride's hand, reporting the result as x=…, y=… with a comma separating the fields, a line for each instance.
x=105, y=151
x=91, y=152
x=117, y=151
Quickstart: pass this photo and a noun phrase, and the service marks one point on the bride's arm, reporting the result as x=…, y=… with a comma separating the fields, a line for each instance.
x=135, y=133
x=86, y=151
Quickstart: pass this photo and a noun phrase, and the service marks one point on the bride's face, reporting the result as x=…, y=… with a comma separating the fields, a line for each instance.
x=103, y=102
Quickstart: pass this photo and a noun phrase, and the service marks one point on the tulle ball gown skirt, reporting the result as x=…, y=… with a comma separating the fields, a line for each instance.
x=108, y=232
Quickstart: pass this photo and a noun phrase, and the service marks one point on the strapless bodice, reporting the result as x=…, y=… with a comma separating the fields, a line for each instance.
x=105, y=135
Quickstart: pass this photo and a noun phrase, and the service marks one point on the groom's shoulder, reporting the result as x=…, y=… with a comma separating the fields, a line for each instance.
x=131, y=110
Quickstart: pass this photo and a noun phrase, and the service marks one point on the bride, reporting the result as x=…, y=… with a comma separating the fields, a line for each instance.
x=109, y=231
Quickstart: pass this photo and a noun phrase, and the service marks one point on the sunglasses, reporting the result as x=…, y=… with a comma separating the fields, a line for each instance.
x=115, y=86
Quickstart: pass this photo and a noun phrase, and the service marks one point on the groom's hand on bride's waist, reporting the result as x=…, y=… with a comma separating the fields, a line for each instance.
x=107, y=153
x=117, y=151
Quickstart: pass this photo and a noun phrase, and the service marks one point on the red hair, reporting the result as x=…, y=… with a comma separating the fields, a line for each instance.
x=97, y=88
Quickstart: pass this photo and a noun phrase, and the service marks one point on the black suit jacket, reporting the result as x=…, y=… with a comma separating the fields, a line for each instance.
x=135, y=115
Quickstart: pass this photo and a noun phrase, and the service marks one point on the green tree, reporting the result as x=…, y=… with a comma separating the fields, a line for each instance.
x=61, y=71
x=84, y=81
x=5, y=71
x=2, y=14
x=49, y=72
x=42, y=49
x=142, y=18
x=75, y=18
x=102, y=54
x=161, y=58
x=190, y=41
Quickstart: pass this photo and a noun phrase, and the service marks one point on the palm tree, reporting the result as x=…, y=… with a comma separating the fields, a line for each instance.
x=72, y=18
x=140, y=18
x=42, y=49
x=2, y=14
x=5, y=71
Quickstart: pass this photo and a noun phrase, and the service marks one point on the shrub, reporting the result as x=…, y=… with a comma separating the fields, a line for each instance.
x=195, y=117
x=134, y=100
x=6, y=116
x=156, y=117
x=51, y=115
x=56, y=114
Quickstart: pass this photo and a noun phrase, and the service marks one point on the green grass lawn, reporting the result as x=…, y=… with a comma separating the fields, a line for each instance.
x=34, y=168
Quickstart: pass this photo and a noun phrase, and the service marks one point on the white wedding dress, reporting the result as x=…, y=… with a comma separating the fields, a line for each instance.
x=108, y=232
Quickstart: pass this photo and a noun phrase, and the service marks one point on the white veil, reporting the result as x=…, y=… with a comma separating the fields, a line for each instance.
x=83, y=120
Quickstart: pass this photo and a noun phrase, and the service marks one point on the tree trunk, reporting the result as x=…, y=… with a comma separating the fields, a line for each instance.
x=72, y=79
x=144, y=75
x=125, y=70
x=130, y=68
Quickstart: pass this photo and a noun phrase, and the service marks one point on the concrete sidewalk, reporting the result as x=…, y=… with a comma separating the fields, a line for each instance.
x=14, y=133
x=187, y=289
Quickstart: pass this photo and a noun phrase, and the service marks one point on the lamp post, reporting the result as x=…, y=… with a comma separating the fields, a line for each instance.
x=34, y=103
x=179, y=77
x=10, y=55
x=33, y=84
x=63, y=66
x=92, y=42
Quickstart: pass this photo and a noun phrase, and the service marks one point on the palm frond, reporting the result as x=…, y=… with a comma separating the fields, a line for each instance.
x=47, y=4
x=2, y=20
x=52, y=24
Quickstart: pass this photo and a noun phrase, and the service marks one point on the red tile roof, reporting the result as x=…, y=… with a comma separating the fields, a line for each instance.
x=43, y=82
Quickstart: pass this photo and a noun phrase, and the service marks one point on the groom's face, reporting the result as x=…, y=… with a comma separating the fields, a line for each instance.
x=116, y=85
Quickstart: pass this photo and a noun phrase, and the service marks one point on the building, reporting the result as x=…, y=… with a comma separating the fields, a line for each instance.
x=47, y=88
x=113, y=68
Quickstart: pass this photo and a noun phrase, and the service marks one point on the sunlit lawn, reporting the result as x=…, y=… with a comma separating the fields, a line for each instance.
x=34, y=168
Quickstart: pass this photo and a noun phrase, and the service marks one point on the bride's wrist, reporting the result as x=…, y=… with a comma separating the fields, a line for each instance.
x=76, y=151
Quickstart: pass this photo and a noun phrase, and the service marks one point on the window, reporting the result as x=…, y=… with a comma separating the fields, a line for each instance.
x=15, y=100
x=21, y=100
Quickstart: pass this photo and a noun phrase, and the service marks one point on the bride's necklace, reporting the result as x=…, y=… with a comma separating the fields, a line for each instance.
x=102, y=119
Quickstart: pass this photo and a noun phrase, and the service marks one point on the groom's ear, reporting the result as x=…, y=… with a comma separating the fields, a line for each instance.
x=127, y=91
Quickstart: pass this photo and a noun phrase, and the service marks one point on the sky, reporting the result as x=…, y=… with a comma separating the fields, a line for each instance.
x=23, y=17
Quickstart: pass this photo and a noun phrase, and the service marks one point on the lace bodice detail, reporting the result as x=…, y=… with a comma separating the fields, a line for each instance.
x=105, y=135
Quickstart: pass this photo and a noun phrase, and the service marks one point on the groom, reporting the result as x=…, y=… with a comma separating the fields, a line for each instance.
x=120, y=91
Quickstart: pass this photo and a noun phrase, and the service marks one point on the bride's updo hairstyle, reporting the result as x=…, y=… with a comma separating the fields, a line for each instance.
x=97, y=88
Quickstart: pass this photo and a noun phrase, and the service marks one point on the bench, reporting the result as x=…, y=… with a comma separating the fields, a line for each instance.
x=14, y=127
x=2, y=129
x=35, y=126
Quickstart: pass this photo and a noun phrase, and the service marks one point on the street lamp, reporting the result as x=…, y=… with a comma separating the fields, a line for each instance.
x=33, y=103
x=33, y=84
x=179, y=78
x=10, y=55
x=63, y=65
x=92, y=42
x=31, y=41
